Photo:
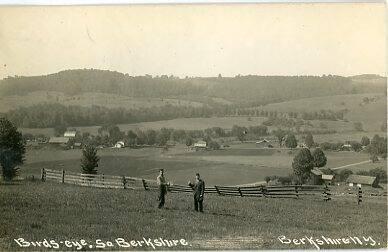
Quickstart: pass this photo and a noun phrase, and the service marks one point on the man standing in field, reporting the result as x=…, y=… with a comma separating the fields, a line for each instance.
x=161, y=180
x=199, y=191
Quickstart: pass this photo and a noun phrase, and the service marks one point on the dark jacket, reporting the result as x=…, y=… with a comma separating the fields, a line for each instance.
x=199, y=189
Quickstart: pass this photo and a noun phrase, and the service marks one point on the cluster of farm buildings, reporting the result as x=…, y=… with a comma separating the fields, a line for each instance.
x=318, y=176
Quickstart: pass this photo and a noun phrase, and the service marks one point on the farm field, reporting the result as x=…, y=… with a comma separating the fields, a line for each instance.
x=203, y=123
x=347, y=136
x=181, y=123
x=222, y=167
x=88, y=99
x=64, y=212
x=371, y=114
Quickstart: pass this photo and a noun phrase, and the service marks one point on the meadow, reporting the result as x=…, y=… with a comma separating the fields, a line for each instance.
x=88, y=99
x=180, y=123
x=371, y=114
x=36, y=211
x=220, y=167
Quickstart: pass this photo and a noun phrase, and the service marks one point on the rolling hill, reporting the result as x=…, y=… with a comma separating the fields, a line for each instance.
x=369, y=109
x=88, y=87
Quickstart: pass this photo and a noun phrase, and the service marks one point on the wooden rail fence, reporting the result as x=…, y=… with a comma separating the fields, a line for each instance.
x=100, y=180
x=125, y=182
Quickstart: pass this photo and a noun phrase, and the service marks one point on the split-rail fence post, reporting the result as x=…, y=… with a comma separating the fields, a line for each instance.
x=63, y=176
x=296, y=192
x=145, y=184
x=43, y=174
x=218, y=191
x=359, y=195
x=124, y=182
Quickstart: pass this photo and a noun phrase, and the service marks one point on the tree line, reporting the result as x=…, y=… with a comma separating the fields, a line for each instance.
x=50, y=115
x=251, y=89
x=108, y=135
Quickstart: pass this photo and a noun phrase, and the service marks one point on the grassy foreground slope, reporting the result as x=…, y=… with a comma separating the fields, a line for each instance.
x=35, y=211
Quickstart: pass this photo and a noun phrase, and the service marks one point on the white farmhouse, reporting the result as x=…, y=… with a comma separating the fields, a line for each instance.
x=200, y=144
x=119, y=145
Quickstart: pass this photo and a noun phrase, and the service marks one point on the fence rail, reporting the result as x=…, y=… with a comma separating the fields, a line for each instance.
x=125, y=182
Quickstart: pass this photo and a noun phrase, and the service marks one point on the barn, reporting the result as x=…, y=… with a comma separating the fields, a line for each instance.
x=70, y=134
x=327, y=179
x=200, y=144
x=354, y=180
x=316, y=176
x=119, y=145
x=59, y=141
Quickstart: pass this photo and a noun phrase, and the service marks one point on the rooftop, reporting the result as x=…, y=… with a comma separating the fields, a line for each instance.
x=359, y=179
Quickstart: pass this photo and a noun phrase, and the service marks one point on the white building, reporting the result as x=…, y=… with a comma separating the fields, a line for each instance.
x=200, y=144
x=70, y=133
x=119, y=145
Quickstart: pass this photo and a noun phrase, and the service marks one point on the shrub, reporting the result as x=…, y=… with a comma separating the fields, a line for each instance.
x=374, y=158
x=214, y=145
x=380, y=173
x=358, y=126
x=286, y=180
x=356, y=146
x=344, y=174
x=365, y=141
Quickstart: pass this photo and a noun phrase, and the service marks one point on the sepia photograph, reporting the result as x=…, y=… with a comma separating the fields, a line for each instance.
x=182, y=126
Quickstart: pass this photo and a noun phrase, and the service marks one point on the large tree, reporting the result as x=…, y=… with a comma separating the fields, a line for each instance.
x=89, y=161
x=12, y=149
x=365, y=141
x=280, y=134
x=239, y=132
x=302, y=164
x=131, y=138
x=309, y=141
x=291, y=141
x=319, y=157
x=189, y=141
x=378, y=146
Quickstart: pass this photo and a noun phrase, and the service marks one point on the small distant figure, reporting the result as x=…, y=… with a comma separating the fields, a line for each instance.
x=199, y=191
x=161, y=180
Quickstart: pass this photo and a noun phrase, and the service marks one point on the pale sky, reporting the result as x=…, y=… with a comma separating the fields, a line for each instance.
x=196, y=40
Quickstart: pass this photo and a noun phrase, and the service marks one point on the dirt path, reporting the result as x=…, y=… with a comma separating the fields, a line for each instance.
x=344, y=166
x=335, y=168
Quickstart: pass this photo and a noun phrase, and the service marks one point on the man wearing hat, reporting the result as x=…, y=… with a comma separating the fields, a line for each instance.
x=199, y=191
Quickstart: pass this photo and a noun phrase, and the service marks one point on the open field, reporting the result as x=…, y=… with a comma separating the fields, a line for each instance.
x=346, y=136
x=88, y=99
x=63, y=212
x=371, y=114
x=222, y=167
x=204, y=123
x=181, y=123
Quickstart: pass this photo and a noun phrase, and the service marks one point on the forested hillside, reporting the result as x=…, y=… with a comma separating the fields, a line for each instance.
x=240, y=89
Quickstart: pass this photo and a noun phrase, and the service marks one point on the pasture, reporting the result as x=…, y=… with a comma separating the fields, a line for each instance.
x=221, y=167
x=371, y=114
x=180, y=123
x=36, y=211
x=89, y=99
